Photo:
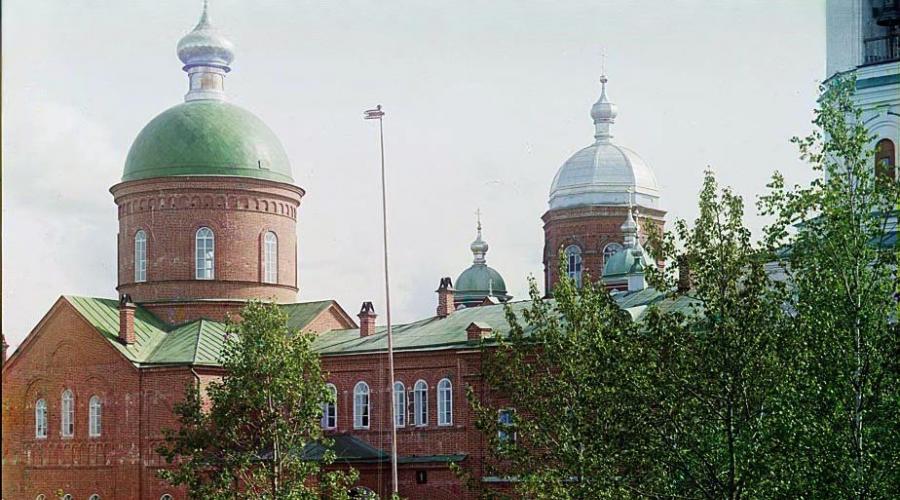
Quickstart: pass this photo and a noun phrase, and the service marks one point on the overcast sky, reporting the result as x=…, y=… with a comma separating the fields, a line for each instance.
x=484, y=101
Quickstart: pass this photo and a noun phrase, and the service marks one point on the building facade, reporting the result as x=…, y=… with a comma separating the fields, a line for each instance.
x=208, y=210
x=863, y=40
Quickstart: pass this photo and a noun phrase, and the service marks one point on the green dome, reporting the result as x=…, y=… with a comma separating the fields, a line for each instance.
x=207, y=137
x=480, y=281
x=625, y=262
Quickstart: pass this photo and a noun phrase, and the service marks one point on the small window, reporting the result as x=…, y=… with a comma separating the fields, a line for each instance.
x=270, y=258
x=40, y=419
x=885, y=161
x=361, y=406
x=40, y=497
x=166, y=497
x=445, y=402
x=95, y=415
x=140, y=257
x=329, y=409
x=399, y=404
x=506, y=426
x=206, y=254
x=67, y=420
x=609, y=251
x=420, y=403
x=574, y=264
x=67, y=497
x=94, y=497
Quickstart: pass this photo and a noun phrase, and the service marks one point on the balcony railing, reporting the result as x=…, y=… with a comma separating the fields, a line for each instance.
x=882, y=49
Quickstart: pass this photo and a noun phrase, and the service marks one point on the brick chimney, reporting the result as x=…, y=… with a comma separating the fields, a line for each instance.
x=684, y=274
x=366, y=319
x=445, y=305
x=478, y=330
x=126, y=319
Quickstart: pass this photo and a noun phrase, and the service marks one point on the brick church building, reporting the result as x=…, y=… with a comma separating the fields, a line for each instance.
x=208, y=209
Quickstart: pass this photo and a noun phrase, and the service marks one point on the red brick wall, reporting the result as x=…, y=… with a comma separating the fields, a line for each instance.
x=591, y=228
x=65, y=352
x=239, y=211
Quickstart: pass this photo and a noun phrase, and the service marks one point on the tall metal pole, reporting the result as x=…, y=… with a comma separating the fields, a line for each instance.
x=377, y=114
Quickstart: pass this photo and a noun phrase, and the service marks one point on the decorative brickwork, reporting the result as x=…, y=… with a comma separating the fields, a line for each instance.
x=239, y=211
x=591, y=228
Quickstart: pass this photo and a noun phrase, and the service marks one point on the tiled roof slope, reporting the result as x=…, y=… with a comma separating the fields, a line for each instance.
x=200, y=342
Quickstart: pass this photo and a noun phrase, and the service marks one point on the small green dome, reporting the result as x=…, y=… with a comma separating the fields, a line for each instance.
x=625, y=262
x=207, y=137
x=477, y=282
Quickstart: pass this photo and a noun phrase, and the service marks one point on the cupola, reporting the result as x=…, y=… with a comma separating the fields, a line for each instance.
x=479, y=281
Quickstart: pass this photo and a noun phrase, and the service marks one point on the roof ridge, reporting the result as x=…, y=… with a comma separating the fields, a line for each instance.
x=197, y=339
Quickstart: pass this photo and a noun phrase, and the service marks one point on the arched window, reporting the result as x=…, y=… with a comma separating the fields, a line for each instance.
x=885, y=161
x=420, y=403
x=573, y=263
x=67, y=497
x=67, y=420
x=206, y=254
x=140, y=256
x=610, y=250
x=94, y=414
x=329, y=409
x=399, y=404
x=40, y=497
x=361, y=406
x=40, y=419
x=94, y=497
x=445, y=402
x=166, y=497
x=270, y=258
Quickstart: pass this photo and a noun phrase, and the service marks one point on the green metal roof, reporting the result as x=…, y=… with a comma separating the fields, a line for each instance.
x=198, y=342
x=207, y=137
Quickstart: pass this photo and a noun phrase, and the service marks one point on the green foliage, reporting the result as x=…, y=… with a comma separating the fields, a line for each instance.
x=843, y=285
x=718, y=373
x=559, y=374
x=244, y=438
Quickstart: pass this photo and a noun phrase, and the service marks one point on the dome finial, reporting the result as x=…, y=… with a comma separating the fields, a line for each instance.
x=479, y=247
x=604, y=113
x=207, y=56
x=629, y=227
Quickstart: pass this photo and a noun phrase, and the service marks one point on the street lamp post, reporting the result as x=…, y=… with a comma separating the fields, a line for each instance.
x=378, y=114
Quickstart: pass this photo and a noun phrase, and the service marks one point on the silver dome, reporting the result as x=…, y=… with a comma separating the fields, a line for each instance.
x=604, y=173
x=205, y=45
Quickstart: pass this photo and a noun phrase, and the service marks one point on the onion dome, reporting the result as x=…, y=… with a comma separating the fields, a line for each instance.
x=604, y=172
x=206, y=135
x=479, y=281
x=205, y=45
x=631, y=260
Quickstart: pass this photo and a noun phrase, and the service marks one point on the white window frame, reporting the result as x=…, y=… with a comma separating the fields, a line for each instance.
x=166, y=496
x=420, y=403
x=329, y=409
x=205, y=262
x=399, y=404
x=40, y=419
x=508, y=435
x=41, y=496
x=574, y=263
x=94, y=497
x=67, y=496
x=270, y=257
x=67, y=414
x=140, y=256
x=95, y=416
x=445, y=402
x=362, y=408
